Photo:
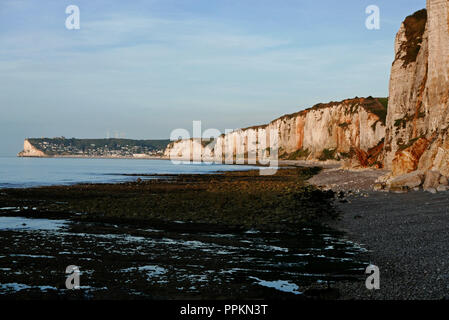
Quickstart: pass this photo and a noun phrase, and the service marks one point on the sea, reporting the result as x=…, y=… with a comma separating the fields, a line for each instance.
x=33, y=172
x=173, y=261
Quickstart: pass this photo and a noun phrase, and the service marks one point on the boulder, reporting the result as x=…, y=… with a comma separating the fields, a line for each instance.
x=378, y=187
x=399, y=190
x=384, y=179
x=431, y=190
x=409, y=180
x=432, y=180
x=444, y=181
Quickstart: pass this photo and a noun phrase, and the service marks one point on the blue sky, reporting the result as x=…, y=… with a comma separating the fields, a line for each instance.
x=143, y=68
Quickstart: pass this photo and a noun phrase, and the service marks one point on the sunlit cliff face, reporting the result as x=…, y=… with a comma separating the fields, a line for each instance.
x=336, y=131
x=417, y=136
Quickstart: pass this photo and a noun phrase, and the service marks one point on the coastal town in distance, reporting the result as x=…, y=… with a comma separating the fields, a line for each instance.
x=112, y=147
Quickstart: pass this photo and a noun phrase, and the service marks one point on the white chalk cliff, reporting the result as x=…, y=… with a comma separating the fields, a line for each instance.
x=411, y=138
x=350, y=129
x=417, y=136
x=30, y=151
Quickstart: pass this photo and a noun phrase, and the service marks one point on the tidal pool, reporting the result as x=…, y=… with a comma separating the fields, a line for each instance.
x=21, y=223
x=125, y=261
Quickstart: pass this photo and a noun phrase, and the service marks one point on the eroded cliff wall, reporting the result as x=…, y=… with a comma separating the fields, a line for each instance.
x=351, y=130
x=417, y=136
x=30, y=151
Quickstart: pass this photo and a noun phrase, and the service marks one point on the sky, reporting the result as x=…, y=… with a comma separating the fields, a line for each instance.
x=140, y=69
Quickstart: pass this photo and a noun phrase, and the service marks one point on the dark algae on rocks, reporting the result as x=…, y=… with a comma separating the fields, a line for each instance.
x=242, y=200
x=233, y=235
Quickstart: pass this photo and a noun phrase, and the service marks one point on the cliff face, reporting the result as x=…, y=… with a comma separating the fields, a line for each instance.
x=30, y=151
x=350, y=129
x=344, y=129
x=417, y=136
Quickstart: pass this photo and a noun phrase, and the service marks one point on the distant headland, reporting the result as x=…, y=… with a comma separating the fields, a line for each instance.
x=92, y=148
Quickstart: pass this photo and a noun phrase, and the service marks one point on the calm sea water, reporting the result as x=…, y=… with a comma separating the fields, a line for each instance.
x=32, y=172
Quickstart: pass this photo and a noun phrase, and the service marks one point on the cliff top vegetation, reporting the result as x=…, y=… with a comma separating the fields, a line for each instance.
x=415, y=26
x=111, y=143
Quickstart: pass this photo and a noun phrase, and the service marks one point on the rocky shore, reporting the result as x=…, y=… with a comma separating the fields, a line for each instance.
x=430, y=181
x=234, y=235
x=241, y=200
x=406, y=234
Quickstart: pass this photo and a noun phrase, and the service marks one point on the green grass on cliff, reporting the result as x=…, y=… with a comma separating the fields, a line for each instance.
x=327, y=154
x=378, y=106
x=415, y=26
x=300, y=154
